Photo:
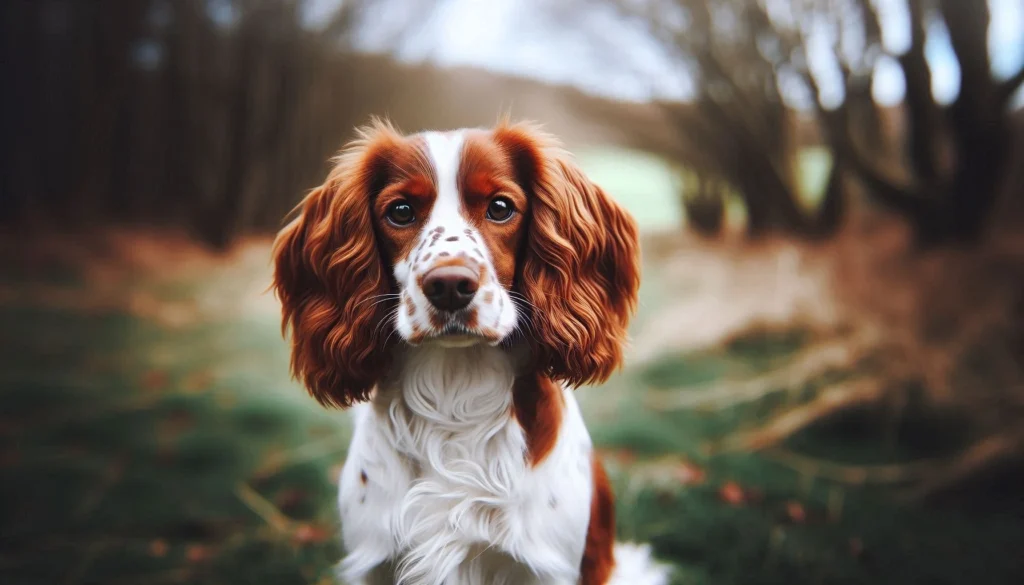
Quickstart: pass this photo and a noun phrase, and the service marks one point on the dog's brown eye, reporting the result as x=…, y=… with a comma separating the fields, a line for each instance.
x=400, y=213
x=500, y=210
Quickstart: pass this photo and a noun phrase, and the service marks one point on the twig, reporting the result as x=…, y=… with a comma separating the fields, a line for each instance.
x=302, y=453
x=263, y=508
x=808, y=365
x=851, y=474
x=830, y=401
x=981, y=455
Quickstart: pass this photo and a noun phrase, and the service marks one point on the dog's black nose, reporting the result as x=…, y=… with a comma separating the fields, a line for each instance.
x=450, y=288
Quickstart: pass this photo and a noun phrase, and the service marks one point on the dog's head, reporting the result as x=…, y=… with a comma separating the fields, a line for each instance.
x=454, y=238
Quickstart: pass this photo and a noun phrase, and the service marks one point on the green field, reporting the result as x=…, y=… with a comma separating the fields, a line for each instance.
x=649, y=186
x=144, y=446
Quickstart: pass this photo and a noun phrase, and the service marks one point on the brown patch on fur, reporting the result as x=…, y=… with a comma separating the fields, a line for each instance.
x=599, y=553
x=537, y=402
x=426, y=256
x=417, y=335
x=362, y=476
x=410, y=309
x=443, y=255
x=471, y=320
x=411, y=179
x=489, y=333
x=488, y=296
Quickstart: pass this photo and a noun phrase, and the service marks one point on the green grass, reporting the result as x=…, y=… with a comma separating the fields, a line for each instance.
x=131, y=451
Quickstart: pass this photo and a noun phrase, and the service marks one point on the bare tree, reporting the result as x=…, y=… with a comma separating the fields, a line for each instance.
x=744, y=56
x=957, y=155
x=211, y=116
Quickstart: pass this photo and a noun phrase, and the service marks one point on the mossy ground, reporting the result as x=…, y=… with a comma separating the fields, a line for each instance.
x=135, y=451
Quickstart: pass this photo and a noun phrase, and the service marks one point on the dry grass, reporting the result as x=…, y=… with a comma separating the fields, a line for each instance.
x=944, y=323
x=140, y=271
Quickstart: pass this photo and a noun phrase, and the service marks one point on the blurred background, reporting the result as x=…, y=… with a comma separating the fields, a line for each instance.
x=826, y=382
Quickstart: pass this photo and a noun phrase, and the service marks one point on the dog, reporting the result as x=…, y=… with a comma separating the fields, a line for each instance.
x=451, y=289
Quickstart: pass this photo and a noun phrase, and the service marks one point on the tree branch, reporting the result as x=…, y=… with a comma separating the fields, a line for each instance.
x=1009, y=87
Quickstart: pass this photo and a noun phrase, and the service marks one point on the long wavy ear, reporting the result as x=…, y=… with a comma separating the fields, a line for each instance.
x=329, y=277
x=581, y=267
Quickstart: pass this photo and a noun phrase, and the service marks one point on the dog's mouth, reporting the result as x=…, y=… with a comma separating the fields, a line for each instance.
x=454, y=330
x=456, y=335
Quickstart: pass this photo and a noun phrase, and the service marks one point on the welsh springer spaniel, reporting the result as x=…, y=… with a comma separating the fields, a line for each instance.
x=445, y=286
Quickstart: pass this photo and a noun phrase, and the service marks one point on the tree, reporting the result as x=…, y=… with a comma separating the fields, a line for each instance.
x=749, y=58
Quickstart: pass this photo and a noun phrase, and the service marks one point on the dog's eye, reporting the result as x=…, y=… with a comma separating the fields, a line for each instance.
x=500, y=210
x=400, y=213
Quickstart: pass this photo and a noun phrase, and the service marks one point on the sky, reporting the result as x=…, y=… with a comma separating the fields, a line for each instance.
x=508, y=36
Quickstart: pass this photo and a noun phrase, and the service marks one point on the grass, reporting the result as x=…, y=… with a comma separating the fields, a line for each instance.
x=138, y=451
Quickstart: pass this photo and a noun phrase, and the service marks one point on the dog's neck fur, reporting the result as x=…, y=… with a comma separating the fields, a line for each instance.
x=450, y=412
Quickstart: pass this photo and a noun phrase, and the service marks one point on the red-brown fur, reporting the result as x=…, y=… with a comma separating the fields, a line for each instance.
x=598, y=556
x=329, y=272
x=580, y=271
x=537, y=403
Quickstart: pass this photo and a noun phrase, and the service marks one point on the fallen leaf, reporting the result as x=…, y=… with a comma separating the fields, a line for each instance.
x=310, y=534
x=154, y=380
x=731, y=493
x=796, y=512
x=158, y=548
x=197, y=553
x=689, y=474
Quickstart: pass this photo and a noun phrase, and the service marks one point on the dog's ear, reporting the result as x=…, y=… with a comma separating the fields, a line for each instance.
x=581, y=270
x=328, y=275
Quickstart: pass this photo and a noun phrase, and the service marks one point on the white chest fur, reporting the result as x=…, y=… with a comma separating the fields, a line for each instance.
x=437, y=488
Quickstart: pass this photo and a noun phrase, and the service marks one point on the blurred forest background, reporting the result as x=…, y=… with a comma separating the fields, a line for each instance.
x=826, y=383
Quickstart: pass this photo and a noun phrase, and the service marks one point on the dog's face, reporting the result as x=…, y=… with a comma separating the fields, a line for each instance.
x=451, y=230
x=454, y=238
